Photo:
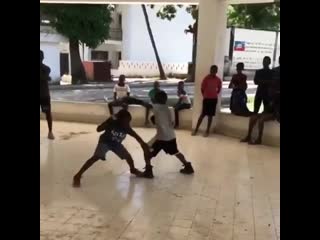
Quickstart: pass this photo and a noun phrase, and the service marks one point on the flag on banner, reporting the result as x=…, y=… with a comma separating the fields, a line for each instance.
x=239, y=46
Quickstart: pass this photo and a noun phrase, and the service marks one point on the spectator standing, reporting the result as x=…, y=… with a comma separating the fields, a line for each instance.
x=271, y=111
x=263, y=78
x=210, y=89
x=45, y=102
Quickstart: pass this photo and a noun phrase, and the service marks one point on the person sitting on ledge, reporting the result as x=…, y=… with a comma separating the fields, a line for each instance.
x=122, y=98
x=238, y=100
x=154, y=90
x=271, y=112
x=183, y=102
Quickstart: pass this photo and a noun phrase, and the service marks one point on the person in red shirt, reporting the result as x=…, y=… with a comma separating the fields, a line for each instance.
x=210, y=89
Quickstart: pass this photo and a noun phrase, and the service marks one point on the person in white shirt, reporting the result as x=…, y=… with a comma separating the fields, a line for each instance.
x=121, y=97
x=121, y=89
x=165, y=138
x=183, y=102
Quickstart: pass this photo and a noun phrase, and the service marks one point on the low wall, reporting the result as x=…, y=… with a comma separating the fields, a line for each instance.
x=98, y=112
x=235, y=126
x=227, y=124
x=150, y=69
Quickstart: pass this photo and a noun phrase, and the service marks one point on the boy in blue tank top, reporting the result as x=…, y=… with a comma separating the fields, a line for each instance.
x=115, y=130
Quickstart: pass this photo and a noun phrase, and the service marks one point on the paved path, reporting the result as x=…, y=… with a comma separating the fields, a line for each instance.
x=97, y=93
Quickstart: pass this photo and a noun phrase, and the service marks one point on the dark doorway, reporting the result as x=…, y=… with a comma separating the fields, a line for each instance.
x=99, y=55
x=64, y=63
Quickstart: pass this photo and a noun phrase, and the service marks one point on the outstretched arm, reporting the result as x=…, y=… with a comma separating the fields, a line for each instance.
x=144, y=145
x=133, y=134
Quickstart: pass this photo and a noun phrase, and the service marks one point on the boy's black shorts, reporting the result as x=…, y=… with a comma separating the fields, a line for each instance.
x=169, y=147
x=209, y=107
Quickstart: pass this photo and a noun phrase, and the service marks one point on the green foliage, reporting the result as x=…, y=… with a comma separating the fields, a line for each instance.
x=252, y=16
x=169, y=12
x=90, y=24
x=255, y=16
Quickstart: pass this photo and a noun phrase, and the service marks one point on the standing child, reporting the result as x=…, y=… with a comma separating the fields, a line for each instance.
x=165, y=138
x=45, y=102
x=210, y=89
x=263, y=80
x=115, y=130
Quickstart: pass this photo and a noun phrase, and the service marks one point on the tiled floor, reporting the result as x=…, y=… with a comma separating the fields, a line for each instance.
x=234, y=194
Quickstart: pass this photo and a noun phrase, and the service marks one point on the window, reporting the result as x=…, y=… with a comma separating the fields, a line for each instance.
x=120, y=19
x=99, y=55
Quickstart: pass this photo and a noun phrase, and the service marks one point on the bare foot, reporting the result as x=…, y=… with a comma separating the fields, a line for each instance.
x=76, y=182
x=194, y=133
x=50, y=136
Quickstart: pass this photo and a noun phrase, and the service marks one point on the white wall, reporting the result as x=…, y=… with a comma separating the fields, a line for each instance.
x=52, y=58
x=50, y=45
x=172, y=43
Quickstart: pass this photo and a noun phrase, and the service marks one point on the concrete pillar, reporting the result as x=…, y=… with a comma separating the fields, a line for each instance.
x=210, y=49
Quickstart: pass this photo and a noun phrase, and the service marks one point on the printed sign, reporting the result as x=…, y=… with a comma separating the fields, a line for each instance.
x=251, y=46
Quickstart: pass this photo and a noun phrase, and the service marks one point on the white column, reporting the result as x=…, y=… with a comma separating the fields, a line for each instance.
x=210, y=49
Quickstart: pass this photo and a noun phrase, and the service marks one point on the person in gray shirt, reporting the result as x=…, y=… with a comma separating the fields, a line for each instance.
x=165, y=138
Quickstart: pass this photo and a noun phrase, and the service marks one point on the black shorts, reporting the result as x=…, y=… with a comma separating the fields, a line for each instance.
x=209, y=107
x=45, y=104
x=169, y=147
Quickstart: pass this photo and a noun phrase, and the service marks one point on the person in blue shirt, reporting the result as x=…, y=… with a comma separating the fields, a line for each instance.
x=114, y=131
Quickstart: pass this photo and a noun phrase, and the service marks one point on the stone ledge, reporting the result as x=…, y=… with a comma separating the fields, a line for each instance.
x=235, y=126
x=227, y=124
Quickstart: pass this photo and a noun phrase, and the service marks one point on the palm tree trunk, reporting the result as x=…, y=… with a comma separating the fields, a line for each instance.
x=194, y=51
x=77, y=69
x=161, y=71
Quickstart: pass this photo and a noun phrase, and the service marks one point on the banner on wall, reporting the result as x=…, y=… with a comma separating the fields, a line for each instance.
x=278, y=50
x=251, y=46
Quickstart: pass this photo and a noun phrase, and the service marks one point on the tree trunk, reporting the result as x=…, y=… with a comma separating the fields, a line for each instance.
x=161, y=71
x=77, y=70
x=194, y=52
x=194, y=58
